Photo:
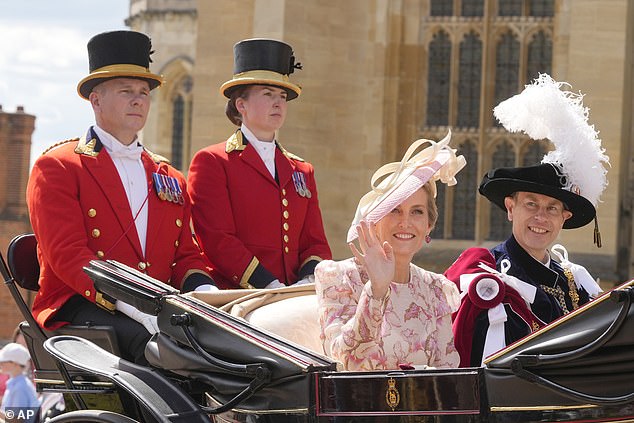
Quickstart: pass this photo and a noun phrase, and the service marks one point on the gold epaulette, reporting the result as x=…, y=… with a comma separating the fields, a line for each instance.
x=289, y=154
x=87, y=147
x=235, y=142
x=57, y=144
x=157, y=158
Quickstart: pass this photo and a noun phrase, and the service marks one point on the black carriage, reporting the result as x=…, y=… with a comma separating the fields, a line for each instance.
x=209, y=365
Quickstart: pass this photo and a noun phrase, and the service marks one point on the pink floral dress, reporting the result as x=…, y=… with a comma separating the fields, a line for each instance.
x=410, y=326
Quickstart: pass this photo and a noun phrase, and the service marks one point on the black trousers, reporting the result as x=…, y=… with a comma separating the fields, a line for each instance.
x=131, y=335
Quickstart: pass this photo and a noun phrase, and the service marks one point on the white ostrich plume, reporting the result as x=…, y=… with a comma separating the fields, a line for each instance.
x=544, y=110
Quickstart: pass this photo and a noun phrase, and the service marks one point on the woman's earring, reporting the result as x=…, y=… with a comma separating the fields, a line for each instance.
x=427, y=238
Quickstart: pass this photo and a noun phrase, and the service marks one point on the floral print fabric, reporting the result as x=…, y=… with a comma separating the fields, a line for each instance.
x=410, y=326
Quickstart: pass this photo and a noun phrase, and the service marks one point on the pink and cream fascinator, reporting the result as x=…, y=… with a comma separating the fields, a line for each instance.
x=395, y=182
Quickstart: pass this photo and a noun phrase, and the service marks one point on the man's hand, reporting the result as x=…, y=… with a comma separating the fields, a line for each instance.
x=148, y=321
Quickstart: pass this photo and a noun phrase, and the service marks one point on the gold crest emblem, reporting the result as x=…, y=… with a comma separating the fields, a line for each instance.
x=392, y=397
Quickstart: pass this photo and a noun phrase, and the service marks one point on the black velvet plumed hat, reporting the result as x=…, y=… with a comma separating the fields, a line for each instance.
x=263, y=61
x=547, y=179
x=574, y=172
x=118, y=54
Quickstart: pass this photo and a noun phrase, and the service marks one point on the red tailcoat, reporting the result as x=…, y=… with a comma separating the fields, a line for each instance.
x=244, y=219
x=80, y=212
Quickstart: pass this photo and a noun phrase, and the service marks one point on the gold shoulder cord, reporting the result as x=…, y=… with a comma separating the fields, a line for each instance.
x=572, y=286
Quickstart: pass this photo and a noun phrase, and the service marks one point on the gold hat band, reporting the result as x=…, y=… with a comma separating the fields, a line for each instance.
x=260, y=77
x=118, y=71
x=121, y=68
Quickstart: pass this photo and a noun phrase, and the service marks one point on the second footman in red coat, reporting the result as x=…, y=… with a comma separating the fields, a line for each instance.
x=254, y=204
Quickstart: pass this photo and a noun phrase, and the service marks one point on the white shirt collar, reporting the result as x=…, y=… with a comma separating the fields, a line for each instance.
x=265, y=149
x=117, y=149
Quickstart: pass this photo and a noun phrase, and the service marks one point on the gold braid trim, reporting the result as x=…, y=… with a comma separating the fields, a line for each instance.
x=57, y=144
x=244, y=282
x=317, y=258
x=289, y=155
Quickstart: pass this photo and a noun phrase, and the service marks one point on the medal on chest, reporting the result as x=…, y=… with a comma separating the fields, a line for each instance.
x=299, y=180
x=167, y=188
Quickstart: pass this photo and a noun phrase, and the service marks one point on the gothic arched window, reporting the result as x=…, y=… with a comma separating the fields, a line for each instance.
x=499, y=226
x=506, y=67
x=469, y=81
x=472, y=7
x=178, y=112
x=533, y=154
x=541, y=8
x=181, y=121
x=461, y=88
x=441, y=8
x=439, y=229
x=540, y=54
x=438, y=80
x=510, y=7
x=463, y=221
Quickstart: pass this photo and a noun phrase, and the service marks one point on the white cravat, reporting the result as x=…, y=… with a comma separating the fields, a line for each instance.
x=127, y=160
x=265, y=149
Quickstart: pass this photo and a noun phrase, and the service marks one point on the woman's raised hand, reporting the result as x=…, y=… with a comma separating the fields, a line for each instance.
x=377, y=258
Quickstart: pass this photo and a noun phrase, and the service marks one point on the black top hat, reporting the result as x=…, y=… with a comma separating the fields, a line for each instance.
x=263, y=62
x=545, y=178
x=118, y=54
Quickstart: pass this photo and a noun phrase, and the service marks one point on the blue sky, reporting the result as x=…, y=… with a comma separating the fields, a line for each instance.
x=42, y=57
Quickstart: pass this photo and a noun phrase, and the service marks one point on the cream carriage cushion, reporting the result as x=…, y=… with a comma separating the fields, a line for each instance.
x=289, y=312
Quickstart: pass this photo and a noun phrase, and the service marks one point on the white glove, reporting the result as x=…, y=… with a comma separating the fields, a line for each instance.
x=308, y=279
x=206, y=288
x=148, y=321
x=275, y=284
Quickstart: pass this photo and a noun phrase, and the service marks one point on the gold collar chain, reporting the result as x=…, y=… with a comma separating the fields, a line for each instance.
x=560, y=295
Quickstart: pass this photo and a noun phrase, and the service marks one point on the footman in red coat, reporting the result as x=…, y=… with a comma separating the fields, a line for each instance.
x=255, y=208
x=104, y=196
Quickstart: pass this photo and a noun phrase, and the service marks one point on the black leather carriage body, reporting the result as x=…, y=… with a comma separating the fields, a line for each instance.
x=128, y=285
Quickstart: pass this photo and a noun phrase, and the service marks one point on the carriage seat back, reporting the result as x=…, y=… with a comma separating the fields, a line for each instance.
x=24, y=267
x=290, y=312
x=294, y=318
x=23, y=263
